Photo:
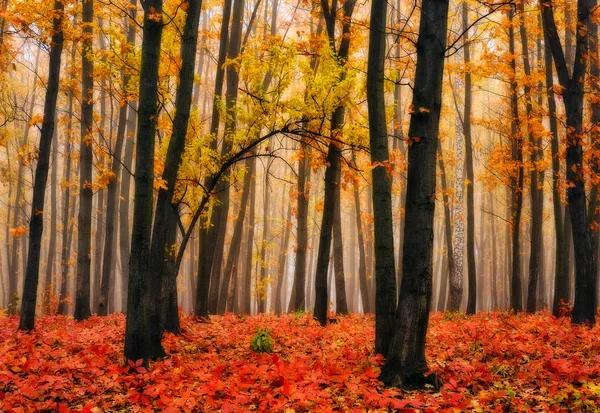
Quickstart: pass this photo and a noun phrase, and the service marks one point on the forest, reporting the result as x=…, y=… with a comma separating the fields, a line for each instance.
x=299, y=205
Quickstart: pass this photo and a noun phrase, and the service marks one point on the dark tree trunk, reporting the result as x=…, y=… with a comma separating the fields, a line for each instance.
x=247, y=279
x=142, y=330
x=441, y=305
x=208, y=235
x=406, y=364
x=561, y=279
x=105, y=299
x=66, y=200
x=471, y=267
x=362, y=260
x=297, y=300
x=281, y=266
x=84, y=221
x=261, y=292
x=536, y=184
x=36, y=223
x=332, y=174
x=236, y=239
x=333, y=170
x=593, y=212
x=516, y=300
x=49, y=289
x=341, y=305
x=584, y=310
x=162, y=269
x=124, y=241
x=13, y=270
x=385, y=267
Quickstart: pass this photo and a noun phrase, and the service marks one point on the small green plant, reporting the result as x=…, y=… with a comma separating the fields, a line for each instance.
x=262, y=342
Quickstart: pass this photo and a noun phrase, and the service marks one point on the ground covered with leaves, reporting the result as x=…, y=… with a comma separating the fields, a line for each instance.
x=489, y=362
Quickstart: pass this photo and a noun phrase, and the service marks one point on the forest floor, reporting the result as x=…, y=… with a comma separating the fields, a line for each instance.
x=488, y=362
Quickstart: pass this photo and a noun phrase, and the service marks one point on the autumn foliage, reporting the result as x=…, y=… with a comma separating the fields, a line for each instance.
x=489, y=362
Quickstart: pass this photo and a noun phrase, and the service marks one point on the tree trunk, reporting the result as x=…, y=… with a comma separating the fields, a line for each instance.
x=297, y=300
x=516, y=300
x=236, y=239
x=584, y=310
x=333, y=170
x=406, y=364
x=281, y=266
x=385, y=267
x=84, y=221
x=247, y=280
x=105, y=299
x=164, y=232
x=362, y=261
x=341, y=305
x=36, y=223
x=142, y=330
x=471, y=267
x=441, y=305
x=536, y=184
x=208, y=234
x=49, y=289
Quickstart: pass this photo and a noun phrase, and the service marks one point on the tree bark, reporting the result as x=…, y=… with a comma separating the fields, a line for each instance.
x=333, y=170
x=406, y=364
x=36, y=224
x=516, y=300
x=84, y=221
x=441, y=305
x=385, y=267
x=536, y=184
x=584, y=310
x=471, y=267
x=142, y=331
x=208, y=234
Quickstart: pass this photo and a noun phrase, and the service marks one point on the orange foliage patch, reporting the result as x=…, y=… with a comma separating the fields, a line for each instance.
x=489, y=362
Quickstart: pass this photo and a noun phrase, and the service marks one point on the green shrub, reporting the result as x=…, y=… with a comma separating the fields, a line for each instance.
x=262, y=342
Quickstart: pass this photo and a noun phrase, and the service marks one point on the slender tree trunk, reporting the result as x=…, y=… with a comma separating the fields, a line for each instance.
x=441, y=305
x=236, y=239
x=261, y=293
x=36, y=223
x=84, y=221
x=516, y=300
x=458, y=248
x=247, y=280
x=297, y=301
x=471, y=267
x=105, y=298
x=49, y=290
x=362, y=261
x=208, y=235
x=341, y=304
x=281, y=266
x=406, y=364
x=333, y=170
x=66, y=200
x=536, y=185
x=13, y=271
x=385, y=267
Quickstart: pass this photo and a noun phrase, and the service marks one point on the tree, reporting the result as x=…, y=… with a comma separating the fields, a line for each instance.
x=36, y=224
x=584, y=310
x=385, y=267
x=142, y=331
x=406, y=364
x=333, y=170
x=84, y=221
